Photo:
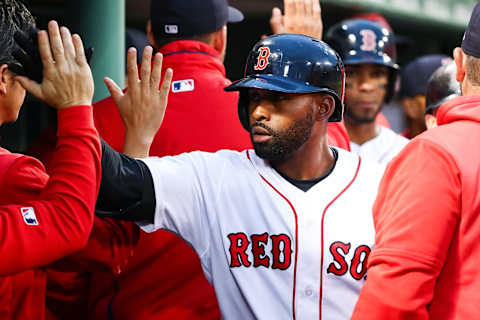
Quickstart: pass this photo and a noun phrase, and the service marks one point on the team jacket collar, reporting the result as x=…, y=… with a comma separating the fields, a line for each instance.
x=192, y=51
x=460, y=108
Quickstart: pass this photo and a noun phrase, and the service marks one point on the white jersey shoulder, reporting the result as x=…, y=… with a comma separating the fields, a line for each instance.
x=271, y=250
x=382, y=148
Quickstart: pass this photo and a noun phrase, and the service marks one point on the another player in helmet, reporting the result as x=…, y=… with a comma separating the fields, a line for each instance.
x=414, y=78
x=366, y=49
x=273, y=227
x=441, y=87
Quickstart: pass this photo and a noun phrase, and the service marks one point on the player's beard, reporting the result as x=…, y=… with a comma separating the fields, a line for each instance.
x=284, y=142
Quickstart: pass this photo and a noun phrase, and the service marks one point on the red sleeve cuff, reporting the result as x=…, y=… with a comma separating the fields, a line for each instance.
x=71, y=119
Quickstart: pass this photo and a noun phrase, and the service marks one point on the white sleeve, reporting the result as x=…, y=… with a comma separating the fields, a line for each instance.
x=183, y=188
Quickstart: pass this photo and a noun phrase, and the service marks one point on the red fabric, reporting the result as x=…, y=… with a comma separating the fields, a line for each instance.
x=63, y=205
x=337, y=135
x=427, y=225
x=381, y=120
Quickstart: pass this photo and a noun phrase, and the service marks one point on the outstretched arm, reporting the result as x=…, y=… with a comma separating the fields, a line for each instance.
x=35, y=233
x=127, y=191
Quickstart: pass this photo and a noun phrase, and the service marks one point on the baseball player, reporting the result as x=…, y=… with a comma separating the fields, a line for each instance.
x=366, y=49
x=305, y=17
x=425, y=261
x=44, y=218
x=441, y=87
x=273, y=227
x=414, y=78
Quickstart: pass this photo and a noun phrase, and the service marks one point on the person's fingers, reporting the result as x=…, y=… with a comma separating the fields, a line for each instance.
x=56, y=42
x=308, y=9
x=289, y=6
x=30, y=85
x=317, y=18
x=79, y=51
x=276, y=21
x=167, y=82
x=68, y=47
x=132, y=69
x=299, y=12
x=156, y=71
x=316, y=10
x=114, y=90
x=44, y=48
x=146, y=67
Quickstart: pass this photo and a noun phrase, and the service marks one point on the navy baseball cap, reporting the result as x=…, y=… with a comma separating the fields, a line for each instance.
x=471, y=38
x=415, y=75
x=183, y=18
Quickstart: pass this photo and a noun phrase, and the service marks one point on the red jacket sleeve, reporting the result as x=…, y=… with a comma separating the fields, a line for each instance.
x=37, y=231
x=415, y=215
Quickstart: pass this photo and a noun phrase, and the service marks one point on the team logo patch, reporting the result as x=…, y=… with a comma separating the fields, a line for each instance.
x=183, y=85
x=262, y=59
x=171, y=29
x=29, y=216
x=369, y=40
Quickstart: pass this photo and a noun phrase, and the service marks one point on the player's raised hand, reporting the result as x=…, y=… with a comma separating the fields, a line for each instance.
x=67, y=78
x=301, y=16
x=143, y=105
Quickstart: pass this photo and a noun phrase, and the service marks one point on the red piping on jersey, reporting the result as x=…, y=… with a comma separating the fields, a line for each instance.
x=296, y=236
x=323, y=218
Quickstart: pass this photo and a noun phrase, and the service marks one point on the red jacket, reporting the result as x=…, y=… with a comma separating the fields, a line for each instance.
x=426, y=256
x=43, y=219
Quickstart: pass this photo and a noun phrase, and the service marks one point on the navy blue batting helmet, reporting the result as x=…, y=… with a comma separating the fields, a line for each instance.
x=361, y=41
x=292, y=63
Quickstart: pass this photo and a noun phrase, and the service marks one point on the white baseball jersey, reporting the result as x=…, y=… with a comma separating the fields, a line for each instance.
x=382, y=148
x=271, y=250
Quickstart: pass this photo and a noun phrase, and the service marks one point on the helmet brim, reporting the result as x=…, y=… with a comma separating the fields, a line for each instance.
x=272, y=83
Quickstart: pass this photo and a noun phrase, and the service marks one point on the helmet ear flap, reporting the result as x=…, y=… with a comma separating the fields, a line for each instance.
x=243, y=102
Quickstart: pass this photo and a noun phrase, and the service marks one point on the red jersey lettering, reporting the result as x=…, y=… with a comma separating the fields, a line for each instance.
x=278, y=262
x=358, y=267
x=339, y=258
x=238, y=245
x=259, y=241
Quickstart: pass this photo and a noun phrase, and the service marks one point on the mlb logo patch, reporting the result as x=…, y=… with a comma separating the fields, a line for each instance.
x=171, y=29
x=183, y=85
x=29, y=216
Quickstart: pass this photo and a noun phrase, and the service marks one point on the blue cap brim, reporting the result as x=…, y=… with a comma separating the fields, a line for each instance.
x=234, y=15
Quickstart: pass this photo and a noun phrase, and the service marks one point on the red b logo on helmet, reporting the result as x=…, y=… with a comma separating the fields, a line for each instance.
x=262, y=60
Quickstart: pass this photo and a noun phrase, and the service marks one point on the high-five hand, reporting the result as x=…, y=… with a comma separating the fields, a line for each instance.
x=67, y=78
x=142, y=106
x=301, y=16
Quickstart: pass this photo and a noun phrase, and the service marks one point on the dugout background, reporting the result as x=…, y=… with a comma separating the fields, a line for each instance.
x=421, y=27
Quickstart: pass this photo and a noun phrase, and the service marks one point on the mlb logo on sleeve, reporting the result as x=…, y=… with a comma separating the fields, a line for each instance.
x=29, y=216
x=183, y=85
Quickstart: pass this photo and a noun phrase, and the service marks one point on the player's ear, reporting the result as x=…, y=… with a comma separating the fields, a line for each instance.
x=461, y=62
x=150, y=36
x=430, y=121
x=4, y=77
x=220, y=40
x=324, y=106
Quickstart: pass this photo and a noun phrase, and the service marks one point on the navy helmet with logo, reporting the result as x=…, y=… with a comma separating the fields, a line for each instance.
x=292, y=63
x=360, y=41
